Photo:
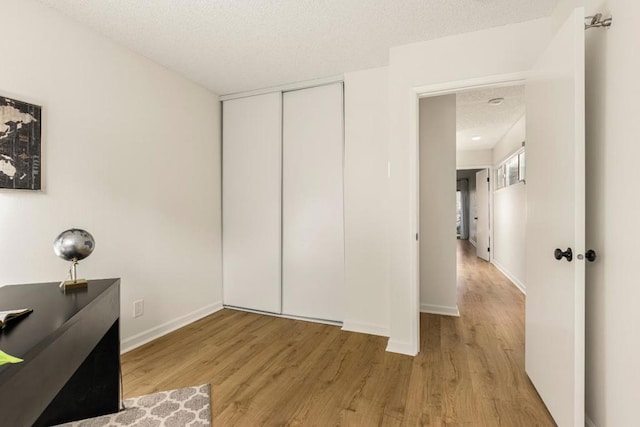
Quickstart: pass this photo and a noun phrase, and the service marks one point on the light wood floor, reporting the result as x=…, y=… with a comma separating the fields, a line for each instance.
x=271, y=371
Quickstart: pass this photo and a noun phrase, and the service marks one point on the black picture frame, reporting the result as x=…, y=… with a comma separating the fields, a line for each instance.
x=20, y=144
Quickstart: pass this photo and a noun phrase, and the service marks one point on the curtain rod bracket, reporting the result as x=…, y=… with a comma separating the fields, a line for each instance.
x=597, y=21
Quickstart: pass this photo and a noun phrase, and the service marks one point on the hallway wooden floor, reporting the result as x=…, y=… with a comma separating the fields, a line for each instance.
x=271, y=371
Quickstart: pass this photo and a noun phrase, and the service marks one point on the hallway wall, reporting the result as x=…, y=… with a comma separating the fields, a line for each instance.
x=510, y=213
x=438, y=205
x=473, y=158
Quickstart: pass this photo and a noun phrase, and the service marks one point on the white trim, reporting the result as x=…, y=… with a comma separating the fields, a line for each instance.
x=286, y=316
x=156, y=332
x=285, y=88
x=588, y=422
x=499, y=80
x=365, y=328
x=512, y=278
x=415, y=94
x=523, y=182
x=492, y=187
x=407, y=348
x=308, y=319
x=473, y=242
x=466, y=168
x=440, y=309
x=414, y=218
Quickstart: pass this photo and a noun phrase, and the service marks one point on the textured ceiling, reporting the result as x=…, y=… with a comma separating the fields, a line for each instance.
x=475, y=117
x=236, y=45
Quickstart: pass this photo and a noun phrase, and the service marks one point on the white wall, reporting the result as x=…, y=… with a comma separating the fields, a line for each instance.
x=510, y=213
x=477, y=55
x=366, y=205
x=612, y=337
x=438, y=205
x=510, y=142
x=466, y=159
x=131, y=153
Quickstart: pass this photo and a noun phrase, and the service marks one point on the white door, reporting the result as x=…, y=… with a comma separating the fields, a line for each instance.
x=312, y=203
x=251, y=186
x=483, y=243
x=556, y=219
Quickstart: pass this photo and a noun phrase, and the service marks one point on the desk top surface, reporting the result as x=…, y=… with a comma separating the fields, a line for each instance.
x=52, y=308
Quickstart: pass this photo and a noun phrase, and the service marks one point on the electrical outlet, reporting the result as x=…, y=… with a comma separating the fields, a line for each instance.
x=138, y=308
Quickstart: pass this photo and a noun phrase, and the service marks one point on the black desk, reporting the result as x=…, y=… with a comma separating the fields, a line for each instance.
x=71, y=350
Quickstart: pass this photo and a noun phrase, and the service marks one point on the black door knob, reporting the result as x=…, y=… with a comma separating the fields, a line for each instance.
x=559, y=254
x=591, y=255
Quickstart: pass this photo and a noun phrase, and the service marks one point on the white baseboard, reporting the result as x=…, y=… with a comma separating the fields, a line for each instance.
x=365, y=328
x=401, y=348
x=285, y=316
x=439, y=309
x=473, y=242
x=517, y=282
x=144, y=337
x=588, y=422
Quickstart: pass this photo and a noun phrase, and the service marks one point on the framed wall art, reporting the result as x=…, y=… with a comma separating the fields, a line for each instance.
x=20, y=144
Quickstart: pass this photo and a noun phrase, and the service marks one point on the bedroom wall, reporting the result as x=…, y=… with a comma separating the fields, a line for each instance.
x=476, y=55
x=130, y=153
x=366, y=191
x=612, y=291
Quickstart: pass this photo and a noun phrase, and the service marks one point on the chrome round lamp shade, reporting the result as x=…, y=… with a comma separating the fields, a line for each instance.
x=74, y=245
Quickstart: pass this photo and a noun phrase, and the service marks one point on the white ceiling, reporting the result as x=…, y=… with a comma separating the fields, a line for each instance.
x=237, y=45
x=475, y=117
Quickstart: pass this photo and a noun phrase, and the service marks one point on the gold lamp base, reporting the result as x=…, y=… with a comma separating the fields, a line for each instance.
x=75, y=284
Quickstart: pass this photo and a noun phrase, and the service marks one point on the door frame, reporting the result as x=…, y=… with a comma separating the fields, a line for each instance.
x=490, y=169
x=416, y=93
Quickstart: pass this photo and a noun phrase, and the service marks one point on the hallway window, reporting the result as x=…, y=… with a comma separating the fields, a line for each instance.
x=511, y=171
x=500, y=177
x=521, y=166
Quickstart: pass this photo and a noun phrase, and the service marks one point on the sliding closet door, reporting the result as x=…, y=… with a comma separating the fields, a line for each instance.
x=312, y=203
x=251, y=202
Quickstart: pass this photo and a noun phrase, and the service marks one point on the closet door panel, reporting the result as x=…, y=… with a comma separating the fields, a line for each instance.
x=313, y=225
x=251, y=202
